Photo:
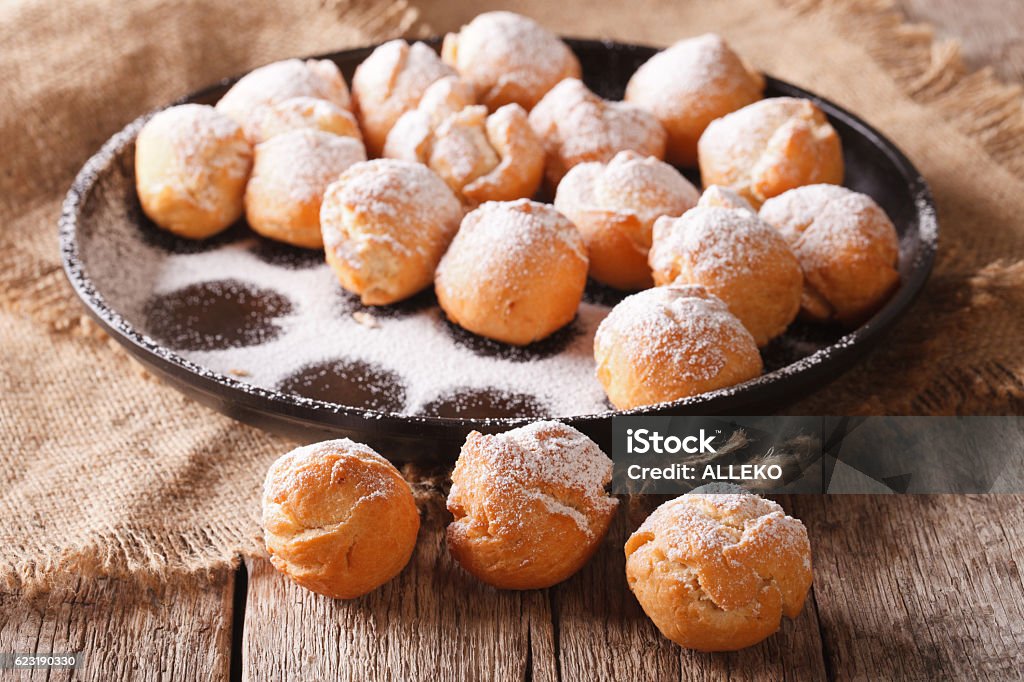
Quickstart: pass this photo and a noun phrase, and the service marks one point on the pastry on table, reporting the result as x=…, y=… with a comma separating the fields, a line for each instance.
x=737, y=257
x=690, y=84
x=289, y=177
x=482, y=157
x=277, y=82
x=515, y=272
x=847, y=246
x=509, y=58
x=718, y=572
x=386, y=223
x=303, y=112
x=578, y=126
x=769, y=147
x=671, y=342
x=191, y=166
x=389, y=83
x=338, y=518
x=529, y=505
x=614, y=205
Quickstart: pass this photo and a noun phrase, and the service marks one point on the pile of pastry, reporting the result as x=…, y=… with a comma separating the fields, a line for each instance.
x=462, y=142
x=529, y=508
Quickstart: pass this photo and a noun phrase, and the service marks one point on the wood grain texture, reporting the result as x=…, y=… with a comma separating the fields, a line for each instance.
x=431, y=622
x=126, y=633
x=919, y=587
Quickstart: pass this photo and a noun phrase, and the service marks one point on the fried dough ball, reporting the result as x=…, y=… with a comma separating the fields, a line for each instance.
x=737, y=257
x=847, y=246
x=304, y=112
x=614, y=205
x=689, y=85
x=769, y=147
x=671, y=342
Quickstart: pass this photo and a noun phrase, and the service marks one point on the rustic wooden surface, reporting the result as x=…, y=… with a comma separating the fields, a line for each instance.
x=914, y=587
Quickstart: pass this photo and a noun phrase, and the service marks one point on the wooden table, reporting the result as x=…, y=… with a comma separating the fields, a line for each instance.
x=905, y=587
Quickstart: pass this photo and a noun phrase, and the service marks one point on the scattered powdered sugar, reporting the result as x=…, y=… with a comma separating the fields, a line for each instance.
x=825, y=222
x=287, y=472
x=300, y=164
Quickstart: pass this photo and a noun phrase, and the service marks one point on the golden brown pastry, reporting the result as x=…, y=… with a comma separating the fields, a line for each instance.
x=577, y=126
x=718, y=572
x=515, y=272
x=737, y=257
x=671, y=342
x=509, y=58
x=303, y=112
x=689, y=85
x=191, y=166
x=389, y=83
x=717, y=196
x=338, y=518
x=530, y=505
x=291, y=172
x=847, y=246
x=274, y=83
x=409, y=138
x=386, y=223
x=482, y=158
x=769, y=147
x=614, y=205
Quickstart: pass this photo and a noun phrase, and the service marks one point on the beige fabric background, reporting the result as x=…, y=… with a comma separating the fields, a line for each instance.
x=105, y=471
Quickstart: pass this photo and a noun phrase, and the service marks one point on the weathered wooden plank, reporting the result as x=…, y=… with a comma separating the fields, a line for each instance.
x=919, y=587
x=604, y=634
x=433, y=621
x=126, y=633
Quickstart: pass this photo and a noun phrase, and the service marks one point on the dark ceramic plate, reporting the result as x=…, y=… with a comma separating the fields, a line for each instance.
x=191, y=329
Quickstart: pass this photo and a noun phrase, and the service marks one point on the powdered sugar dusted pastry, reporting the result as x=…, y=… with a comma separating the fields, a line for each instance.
x=847, y=246
x=291, y=172
x=717, y=196
x=509, y=58
x=769, y=147
x=614, y=205
x=689, y=85
x=389, y=83
x=409, y=138
x=338, y=518
x=737, y=257
x=577, y=126
x=274, y=83
x=515, y=272
x=671, y=342
x=303, y=112
x=386, y=223
x=530, y=505
x=718, y=572
x=191, y=166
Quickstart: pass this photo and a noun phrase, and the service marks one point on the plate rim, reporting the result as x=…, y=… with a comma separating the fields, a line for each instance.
x=296, y=408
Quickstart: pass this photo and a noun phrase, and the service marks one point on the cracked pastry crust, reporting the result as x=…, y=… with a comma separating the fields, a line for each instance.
x=509, y=59
x=577, y=126
x=614, y=205
x=338, y=518
x=191, y=167
x=847, y=246
x=390, y=82
x=303, y=112
x=769, y=147
x=718, y=572
x=690, y=84
x=385, y=224
x=736, y=256
x=529, y=505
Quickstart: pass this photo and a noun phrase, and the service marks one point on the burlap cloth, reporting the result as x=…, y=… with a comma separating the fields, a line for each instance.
x=107, y=472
